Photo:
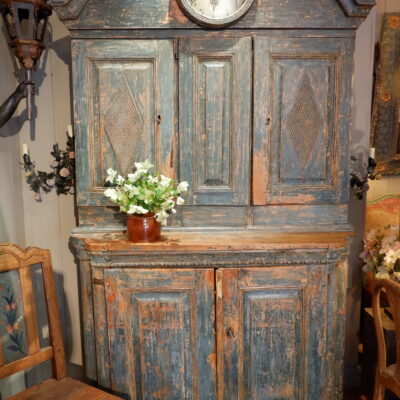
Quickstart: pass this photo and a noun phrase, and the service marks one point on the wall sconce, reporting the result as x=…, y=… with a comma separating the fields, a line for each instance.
x=25, y=22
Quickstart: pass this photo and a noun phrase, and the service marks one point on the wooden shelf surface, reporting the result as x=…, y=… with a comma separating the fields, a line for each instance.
x=241, y=240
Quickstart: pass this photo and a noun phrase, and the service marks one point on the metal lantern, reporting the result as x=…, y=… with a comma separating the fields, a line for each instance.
x=25, y=23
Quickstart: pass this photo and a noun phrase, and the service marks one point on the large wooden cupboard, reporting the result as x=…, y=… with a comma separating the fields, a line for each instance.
x=244, y=296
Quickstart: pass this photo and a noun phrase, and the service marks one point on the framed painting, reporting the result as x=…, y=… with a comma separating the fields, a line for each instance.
x=386, y=104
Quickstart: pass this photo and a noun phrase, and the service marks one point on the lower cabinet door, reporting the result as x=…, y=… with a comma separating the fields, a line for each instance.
x=271, y=325
x=161, y=333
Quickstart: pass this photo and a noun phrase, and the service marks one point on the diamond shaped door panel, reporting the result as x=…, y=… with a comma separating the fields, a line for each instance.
x=129, y=115
x=300, y=135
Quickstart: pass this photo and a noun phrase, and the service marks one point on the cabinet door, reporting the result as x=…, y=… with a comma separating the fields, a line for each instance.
x=271, y=333
x=302, y=104
x=214, y=119
x=129, y=114
x=161, y=333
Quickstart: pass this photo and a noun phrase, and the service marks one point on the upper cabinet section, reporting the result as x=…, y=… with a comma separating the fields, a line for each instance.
x=302, y=106
x=124, y=106
x=215, y=119
x=133, y=14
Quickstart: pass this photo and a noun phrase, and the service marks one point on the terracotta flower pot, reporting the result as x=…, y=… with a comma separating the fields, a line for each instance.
x=143, y=228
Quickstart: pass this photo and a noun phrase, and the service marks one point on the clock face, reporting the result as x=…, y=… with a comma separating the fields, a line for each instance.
x=215, y=12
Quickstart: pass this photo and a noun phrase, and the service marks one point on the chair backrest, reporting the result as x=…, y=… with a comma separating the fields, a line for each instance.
x=19, y=335
x=392, y=291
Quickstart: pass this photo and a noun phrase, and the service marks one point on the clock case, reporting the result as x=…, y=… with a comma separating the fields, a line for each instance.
x=200, y=19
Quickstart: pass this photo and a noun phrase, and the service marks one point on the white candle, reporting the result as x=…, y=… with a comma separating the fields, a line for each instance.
x=372, y=152
x=25, y=149
x=70, y=131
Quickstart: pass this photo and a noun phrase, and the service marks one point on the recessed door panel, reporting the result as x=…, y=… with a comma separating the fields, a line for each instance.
x=215, y=107
x=129, y=114
x=270, y=337
x=161, y=332
x=301, y=134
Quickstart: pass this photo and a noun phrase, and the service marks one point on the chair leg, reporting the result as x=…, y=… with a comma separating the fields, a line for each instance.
x=379, y=389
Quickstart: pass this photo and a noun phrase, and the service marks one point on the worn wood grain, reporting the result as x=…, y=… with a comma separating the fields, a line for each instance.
x=129, y=115
x=214, y=93
x=12, y=257
x=102, y=353
x=26, y=362
x=240, y=296
x=273, y=339
x=166, y=14
x=161, y=330
x=225, y=241
x=30, y=316
x=66, y=389
x=387, y=377
x=299, y=155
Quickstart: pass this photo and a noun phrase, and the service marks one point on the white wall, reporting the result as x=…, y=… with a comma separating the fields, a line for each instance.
x=11, y=203
x=23, y=220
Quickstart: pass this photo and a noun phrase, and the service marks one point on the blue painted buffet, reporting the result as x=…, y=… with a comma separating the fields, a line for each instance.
x=244, y=296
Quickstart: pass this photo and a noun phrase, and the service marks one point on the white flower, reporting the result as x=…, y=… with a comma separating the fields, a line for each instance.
x=182, y=187
x=133, y=190
x=120, y=180
x=180, y=201
x=382, y=273
x=137, y=210
x=165, y=181
x=391, y=256
x=148, y=196
x=167, y=205
x=111, y=193
x=173, y=211
x=143, y=166
x=152, y=179
x=133, y=177
x=111, y=175
x=162, y=217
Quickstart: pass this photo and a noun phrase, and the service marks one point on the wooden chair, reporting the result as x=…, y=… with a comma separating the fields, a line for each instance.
x=386, y=377
x=19, y=336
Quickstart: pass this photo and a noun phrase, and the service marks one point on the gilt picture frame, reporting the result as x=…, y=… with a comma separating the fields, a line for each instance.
x=385, y=135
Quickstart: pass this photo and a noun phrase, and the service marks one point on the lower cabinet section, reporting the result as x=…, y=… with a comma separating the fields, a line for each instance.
x=226, y=334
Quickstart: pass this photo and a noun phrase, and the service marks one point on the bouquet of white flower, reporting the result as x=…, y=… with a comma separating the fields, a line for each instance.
x=382, y=253
x=143, y=192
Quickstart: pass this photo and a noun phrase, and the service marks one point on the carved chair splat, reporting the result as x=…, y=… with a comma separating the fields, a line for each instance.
x=13, y=258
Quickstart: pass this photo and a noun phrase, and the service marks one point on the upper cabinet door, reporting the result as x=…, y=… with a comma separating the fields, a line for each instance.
x=302, y=101
x=129, y=114
x=214, y=124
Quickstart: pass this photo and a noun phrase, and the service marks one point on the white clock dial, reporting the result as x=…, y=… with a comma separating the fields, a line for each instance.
x=215, y=12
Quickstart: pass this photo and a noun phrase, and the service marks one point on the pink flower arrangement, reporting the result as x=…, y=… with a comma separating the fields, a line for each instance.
x=382, y=253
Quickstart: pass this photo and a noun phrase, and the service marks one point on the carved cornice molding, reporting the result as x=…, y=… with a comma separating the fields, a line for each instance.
x=68, y=9
x=71, y=9
x=357, y=8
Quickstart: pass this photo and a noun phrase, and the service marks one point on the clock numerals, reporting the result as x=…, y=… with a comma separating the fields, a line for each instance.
x=215, y=12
